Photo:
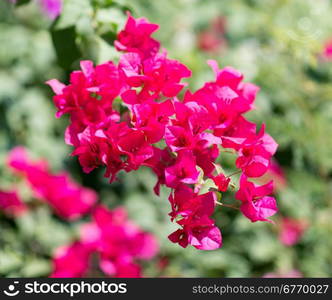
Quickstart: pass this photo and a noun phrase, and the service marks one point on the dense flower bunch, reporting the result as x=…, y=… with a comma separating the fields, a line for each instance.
x=116, y=241
x=68, y=199
x=128, y=115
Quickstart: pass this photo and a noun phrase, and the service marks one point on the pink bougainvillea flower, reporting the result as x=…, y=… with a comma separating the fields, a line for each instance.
x=164, y=75
x=222, y=182
x=183, y=171
x=158, y=162
x=205, y=159
x=130, y=65
x=255, y=154
x=135, y=146
x=187, y=203
x=256, y=204
x=202, y=237
x=194, y=211
x=71, y=261
x=11, y=204
x=291, y=231
x=205, y=238
x=152, y=119
x=92, y=88
x=92, y=150
x=179, y=138
x=68, y=199
x=136, y=37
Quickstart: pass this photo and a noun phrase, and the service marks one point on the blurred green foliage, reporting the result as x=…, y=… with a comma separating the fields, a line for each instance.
x=275, y=43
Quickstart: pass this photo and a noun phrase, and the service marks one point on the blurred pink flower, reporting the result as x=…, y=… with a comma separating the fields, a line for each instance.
x=71, y=261
x=11, y=204
x=51, y=8
x=212, y=39
x=68, y=199
x=327, y=52
x=275, y=173
x=119, y=243
x=291, y=230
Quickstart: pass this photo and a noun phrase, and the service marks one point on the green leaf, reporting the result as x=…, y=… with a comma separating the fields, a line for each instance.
x=64, y=42
x=21, y=2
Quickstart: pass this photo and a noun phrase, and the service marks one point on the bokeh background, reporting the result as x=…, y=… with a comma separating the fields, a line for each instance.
x=280, y=45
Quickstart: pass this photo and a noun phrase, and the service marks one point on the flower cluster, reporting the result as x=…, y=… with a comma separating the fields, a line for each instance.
x=130, y=114
x=68, y=199
x=116, y=241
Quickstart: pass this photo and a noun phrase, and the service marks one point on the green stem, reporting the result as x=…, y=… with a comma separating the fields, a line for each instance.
x=227, y=205
x=237, y=172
